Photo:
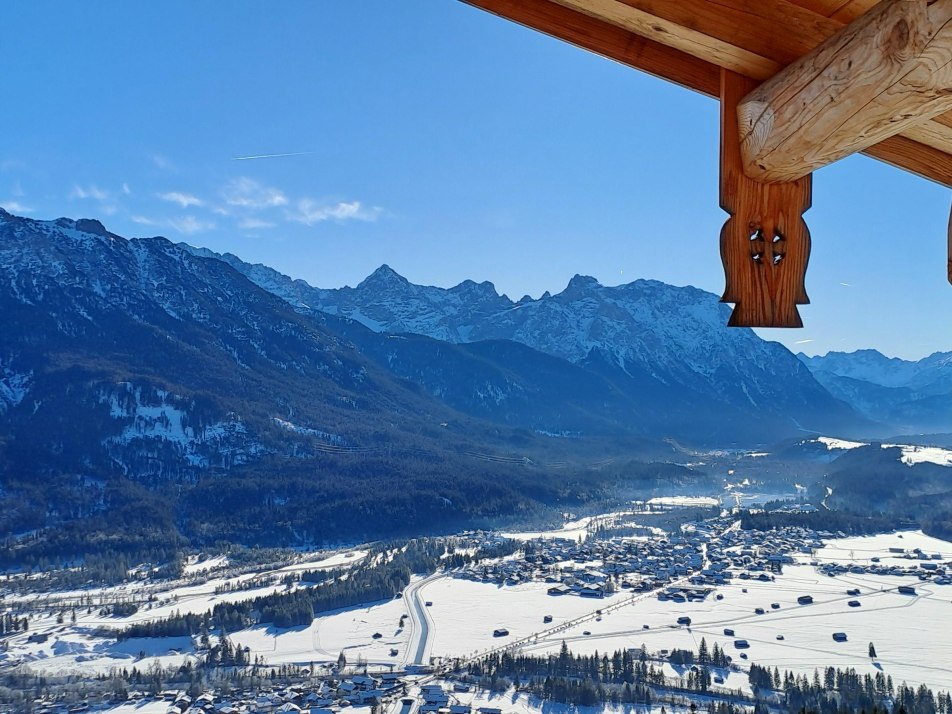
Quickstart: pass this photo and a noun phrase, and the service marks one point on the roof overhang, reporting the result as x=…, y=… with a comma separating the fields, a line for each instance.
x=802, y=83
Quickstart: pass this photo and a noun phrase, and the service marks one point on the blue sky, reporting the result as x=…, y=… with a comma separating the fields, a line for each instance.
x=436, y=138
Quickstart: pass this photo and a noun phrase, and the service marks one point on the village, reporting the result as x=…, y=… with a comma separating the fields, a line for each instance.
x=706, y=555
x=759, y=595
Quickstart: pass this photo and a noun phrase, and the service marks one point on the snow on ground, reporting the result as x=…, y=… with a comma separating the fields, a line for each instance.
x=893, y=622
x=465, y=613
x=76, y=648
x=832, y=443
x=913, y=455
x=322, y=562
x=573, y=530
x=195, y=565
x=143, y=707
x=512, y=702
x=683, y=501
x=88, y=655
x=861, y=549
x=349, y=631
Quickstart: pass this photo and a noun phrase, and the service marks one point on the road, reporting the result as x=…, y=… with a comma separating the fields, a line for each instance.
x=419, y=646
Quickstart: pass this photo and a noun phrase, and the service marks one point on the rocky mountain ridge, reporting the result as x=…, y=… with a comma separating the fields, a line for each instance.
x=667, y=347
x=914, y=396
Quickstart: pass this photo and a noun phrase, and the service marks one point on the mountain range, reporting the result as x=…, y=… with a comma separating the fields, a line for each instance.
x=913, y=396
x=152, y=391
x=664, y=351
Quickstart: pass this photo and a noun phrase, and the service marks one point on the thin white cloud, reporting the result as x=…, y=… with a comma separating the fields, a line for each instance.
x=15, y=207
x=162, y=162
x=190, y=224
x=183, y=199
x=253, y=223
x=184, y=224
x=18, y=189
x=90, y=192
x=846, y=285
x=248, y=193
x=310, y=212
x=125, y=189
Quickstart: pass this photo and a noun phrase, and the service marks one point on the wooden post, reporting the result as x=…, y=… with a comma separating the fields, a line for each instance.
x=765, y=244
x=950, y=246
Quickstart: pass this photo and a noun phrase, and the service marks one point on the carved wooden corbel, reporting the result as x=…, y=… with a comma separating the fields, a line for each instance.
x=765, y=244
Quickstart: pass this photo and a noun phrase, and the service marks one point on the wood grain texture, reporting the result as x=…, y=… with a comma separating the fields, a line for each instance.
x=885, y=72
x=703, y=45
x=615, y=43
x=765, y=244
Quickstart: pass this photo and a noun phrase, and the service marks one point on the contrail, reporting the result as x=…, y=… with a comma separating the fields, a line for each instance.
x=271, y=156
x=803, y=342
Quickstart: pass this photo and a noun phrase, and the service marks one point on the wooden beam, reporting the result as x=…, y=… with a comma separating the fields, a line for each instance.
x=604, y=39
x=885, y=72
x=912, y=156
x=654, y=57
x=765, y=244
x=670, y=32
x=950, y=246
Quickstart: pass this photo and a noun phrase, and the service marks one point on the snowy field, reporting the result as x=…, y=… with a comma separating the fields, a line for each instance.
x=573, y=530
x=79, y=648
x=349, y=631
x=465, y=613
x=512, y=702
x=684, y=501
x=862, y=549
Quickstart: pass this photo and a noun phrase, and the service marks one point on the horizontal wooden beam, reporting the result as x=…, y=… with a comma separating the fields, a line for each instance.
x=887, y=71
x=666, y=28
x=609, y=41
x=622, y=45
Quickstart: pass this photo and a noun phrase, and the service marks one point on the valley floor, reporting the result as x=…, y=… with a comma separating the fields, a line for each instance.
x=446, y=616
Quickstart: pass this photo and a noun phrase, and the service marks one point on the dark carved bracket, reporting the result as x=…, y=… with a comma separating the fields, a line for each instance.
x=765, y=244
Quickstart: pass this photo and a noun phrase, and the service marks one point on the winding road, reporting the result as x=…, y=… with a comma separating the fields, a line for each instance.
x=420, y=644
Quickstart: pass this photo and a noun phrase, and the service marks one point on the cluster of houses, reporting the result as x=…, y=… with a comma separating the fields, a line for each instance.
x=437, y=700
x=707, y=554
x=595, y=568
x=925, y=566
x=328, y=696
